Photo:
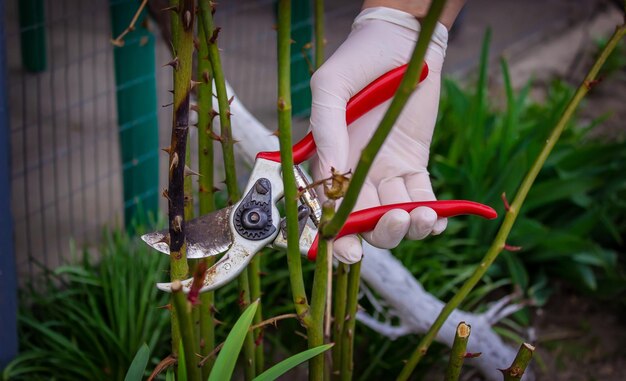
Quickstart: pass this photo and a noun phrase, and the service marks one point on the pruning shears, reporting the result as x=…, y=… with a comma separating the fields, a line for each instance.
x=243, y=229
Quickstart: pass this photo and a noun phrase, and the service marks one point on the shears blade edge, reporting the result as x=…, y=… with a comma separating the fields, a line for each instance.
x=206, y=236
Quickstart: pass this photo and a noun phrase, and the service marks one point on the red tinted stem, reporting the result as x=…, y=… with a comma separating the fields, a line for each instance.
x=365, y=220
x=377, y=92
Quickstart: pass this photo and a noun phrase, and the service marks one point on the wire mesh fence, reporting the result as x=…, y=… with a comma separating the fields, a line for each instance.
x=67, y=161
x=64, y=147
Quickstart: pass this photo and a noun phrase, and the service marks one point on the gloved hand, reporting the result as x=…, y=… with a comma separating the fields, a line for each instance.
x=381, y=39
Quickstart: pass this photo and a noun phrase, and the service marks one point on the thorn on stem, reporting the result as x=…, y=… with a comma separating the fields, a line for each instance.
x=591, y=84
x=168, y=150
x=508, y=247
x=187, y=19
x=194, y=83
x=241, y=301
x=230, y=101
x=470, y=355
x=167, y=105
x=215, y=136
x=177, y=224
x=507, y=206
x=166, y=194
x=189, y=172
x=259, y=338
x=173, y=8
x=174, y=162
x=175, y=63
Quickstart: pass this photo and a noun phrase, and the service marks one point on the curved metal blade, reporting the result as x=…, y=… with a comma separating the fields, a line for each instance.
x=206, y=236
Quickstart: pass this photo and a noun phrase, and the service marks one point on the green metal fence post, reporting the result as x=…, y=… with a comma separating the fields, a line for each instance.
x=33, y=35
x=302, y=34
x=136, y=113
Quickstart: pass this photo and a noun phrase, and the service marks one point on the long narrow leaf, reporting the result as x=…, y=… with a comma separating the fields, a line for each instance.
x=138, y=366
x=291, y=362
x=225, y=363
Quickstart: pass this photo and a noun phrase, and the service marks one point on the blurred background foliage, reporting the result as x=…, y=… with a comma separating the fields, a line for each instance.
x=572, y=224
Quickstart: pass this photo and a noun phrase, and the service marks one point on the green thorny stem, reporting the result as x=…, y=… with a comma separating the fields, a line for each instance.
x=520, y=363
x=347, y=334
x=499, y=242
x=319, y=295
x=226, y=138
x=320, y=289
x=182, y=23
x=205, y=189
x=409, y=82
x=300, y=301
x=254, y=277
x=457, y=354
x=340, y=295
x=183, y=310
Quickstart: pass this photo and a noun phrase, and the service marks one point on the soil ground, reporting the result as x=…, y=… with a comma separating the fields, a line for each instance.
x=579, y=339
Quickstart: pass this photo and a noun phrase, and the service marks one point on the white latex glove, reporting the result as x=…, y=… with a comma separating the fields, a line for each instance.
x=381, y=39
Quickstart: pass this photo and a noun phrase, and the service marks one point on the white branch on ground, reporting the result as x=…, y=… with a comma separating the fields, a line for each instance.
x=386, y=329
x=397, y=287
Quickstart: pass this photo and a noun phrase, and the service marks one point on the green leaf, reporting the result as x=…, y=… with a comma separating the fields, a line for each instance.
x=557, y=189
x=291, y=362
x=516, y=269
x=138, y=366
x=225, y=362
x=579, y=274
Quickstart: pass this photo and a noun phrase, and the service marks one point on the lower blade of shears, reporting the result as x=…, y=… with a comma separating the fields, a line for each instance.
x=206, y=236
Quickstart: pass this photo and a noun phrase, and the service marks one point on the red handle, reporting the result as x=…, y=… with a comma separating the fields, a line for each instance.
x=371, y=96
x=365, y=220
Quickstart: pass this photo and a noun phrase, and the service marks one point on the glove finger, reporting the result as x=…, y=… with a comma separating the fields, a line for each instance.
x=392, y=191
x=420, y=189
x=390, y=229
x=440, y=226
x=423, y=220
x=348, y=249
x=392, y=226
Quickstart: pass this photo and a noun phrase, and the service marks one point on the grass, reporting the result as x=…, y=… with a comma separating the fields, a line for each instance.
x=87, y=320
